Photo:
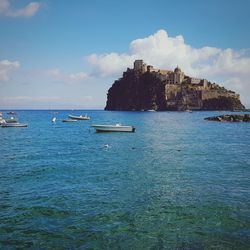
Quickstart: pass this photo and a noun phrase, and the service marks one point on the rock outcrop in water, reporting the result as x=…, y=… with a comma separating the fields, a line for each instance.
x=230, y=118
x=146, y=88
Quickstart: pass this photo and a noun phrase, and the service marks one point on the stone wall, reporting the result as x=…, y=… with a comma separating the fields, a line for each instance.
x=211, y=94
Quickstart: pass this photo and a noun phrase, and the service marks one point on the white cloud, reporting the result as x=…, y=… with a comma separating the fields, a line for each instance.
x=80, y=76
x=4, y=5
x=27, y=11
x=225, y=66
x=7, y=68
x=68, y=78
x=110, y=64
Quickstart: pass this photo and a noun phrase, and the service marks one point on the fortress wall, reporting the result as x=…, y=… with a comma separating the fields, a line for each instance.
x=172, y=90
x=211, y=94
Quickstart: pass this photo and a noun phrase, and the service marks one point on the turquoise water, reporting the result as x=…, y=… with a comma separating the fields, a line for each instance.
x=178, y=182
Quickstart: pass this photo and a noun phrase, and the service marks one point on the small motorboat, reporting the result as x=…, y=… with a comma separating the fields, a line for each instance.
x=113, y=128
x=14, y=125
x=53, y=119
x=69, y=120
x=11, y=113
x=81, y=117
x=1, y=118
x=11, y=120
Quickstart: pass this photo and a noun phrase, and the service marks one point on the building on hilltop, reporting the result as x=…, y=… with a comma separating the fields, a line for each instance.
x=145, y=88
x=176, y=77
x=172, y=77
x=140, y=66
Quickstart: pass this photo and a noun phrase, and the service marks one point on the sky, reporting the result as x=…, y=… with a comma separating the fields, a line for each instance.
x=59, y=54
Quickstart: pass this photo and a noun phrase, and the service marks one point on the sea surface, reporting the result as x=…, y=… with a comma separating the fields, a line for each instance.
x=178, y=182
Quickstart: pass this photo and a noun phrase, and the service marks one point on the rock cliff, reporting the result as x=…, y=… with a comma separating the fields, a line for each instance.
x=147, y=90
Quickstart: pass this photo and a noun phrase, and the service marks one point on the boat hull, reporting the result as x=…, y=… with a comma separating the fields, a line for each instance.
x=113, y=128
x=79, y=117
x=14, y=125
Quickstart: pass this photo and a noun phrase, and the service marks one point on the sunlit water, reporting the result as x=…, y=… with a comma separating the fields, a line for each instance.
x=178, y=182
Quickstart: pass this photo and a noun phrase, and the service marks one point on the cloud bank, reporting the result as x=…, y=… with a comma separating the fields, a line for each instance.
x=59, y=75
x=7, y=68
x=27, y=11
x=227, y=67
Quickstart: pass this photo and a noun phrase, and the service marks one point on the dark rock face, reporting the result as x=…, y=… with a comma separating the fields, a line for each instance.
x=137, y=92
x=150, y=91
x=223, y=103
x=230, y=118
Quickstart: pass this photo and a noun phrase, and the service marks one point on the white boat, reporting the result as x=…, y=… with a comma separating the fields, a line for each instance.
x=81, y=117
x=53, y=119
x=1, y=118
x=14, y=125
x=2, y=121
x=11, y=120
x=113, y=128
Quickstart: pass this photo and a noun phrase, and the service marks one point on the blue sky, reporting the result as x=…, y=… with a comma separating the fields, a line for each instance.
x=66, y=54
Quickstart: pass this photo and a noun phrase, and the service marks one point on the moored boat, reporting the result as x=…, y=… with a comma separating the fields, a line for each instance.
x=113, y=128
x=1, y=118
x=14, y=125
x=11, y=120
x=81, y=117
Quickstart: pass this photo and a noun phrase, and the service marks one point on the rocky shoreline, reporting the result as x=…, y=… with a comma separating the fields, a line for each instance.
x=230, y=118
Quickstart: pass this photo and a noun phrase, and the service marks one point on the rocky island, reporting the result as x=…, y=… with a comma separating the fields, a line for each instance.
x=230, y=118
x=146, y=88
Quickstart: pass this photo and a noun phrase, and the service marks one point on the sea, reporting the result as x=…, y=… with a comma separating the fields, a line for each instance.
x=178, y=182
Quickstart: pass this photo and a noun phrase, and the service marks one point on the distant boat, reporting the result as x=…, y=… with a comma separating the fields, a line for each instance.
x=1, y=118
x=53, y=119
x=11, y=120
x=151, y=110
x=81, y=117
x=69, y=120
x=14, y=125
x=113, y=128
x=11, y=113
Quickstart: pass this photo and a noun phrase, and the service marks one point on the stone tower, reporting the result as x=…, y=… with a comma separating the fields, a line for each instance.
x=178, y=76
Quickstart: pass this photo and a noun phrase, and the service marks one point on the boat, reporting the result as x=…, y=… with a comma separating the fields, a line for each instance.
x=2, y=121
x=69, y=120
x=113, y=128
x=1, y=118
x=11, y=120
x=81, y=117
x=14, y=125
x=53, y=119
x=11, y=113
